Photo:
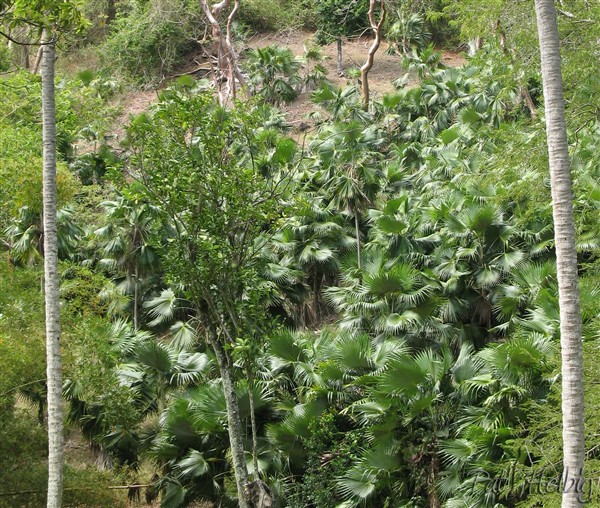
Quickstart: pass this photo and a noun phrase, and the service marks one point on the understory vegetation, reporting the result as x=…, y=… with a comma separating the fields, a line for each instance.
x=377, y=291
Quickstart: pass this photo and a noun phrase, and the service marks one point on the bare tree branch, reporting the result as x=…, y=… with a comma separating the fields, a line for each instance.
x=366, y=67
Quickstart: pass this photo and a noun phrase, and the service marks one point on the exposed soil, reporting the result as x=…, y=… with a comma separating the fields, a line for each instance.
x=387, y=68
x=133, y=103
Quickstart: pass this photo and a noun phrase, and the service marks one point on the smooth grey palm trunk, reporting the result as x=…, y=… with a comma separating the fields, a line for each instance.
x=566, y=254
x=51, y=284
x=340, y=60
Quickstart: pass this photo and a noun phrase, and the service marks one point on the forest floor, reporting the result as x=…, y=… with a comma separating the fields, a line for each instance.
x=387, y=68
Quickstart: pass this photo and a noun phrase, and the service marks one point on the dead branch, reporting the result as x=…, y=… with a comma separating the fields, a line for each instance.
x=227, y=69
x=366, y=67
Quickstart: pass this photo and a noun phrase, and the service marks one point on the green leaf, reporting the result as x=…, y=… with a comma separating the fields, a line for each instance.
x=397, y=321
x=186, y=81
x=285, y=151
x=194, y=464
x=402, y=377
x=450, y=135
x=174, y=496
x=389, y=224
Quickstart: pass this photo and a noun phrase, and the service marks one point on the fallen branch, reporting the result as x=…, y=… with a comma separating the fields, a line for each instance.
x=43, y=491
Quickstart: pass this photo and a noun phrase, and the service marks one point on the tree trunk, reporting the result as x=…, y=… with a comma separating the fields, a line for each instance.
x=566, y=255
x=38, y=60
x=53, y=371
x=135, y=297
x=340, y=61
x=227, y=71
x=357, y=229
x=256, y=474
x=526, y=96
x=234, y=425
x=364, y=70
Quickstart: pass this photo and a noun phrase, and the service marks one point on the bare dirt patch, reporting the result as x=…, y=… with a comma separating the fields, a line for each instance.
x=387, y=68
x=133, y=103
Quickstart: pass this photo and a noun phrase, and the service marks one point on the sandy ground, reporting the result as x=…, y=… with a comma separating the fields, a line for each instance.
x=387, y=68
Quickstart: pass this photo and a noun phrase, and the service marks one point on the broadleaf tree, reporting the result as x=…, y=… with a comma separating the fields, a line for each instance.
x=218, y=175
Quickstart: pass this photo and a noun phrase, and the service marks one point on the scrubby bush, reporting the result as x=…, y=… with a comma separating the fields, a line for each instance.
x=336, y=18
x=275, y=15
x=147, y=44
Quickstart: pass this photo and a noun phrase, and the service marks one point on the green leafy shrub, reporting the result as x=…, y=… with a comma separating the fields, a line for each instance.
x=408, y=34
x=340, y=17
x=81, y=289
x=153, y=39
x=92, y=167
x=333, y=447
x=277, y=15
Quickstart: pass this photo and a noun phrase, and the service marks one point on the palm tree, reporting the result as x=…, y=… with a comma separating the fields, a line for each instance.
x=274, y=74
x=25, y=235
x=127, y=244
x=566, y=254
x=350, y=178
x=51, y=280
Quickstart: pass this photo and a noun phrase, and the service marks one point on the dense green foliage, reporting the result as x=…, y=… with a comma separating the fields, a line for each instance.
x=339, y=17
x=383, y=286
x=151, y=39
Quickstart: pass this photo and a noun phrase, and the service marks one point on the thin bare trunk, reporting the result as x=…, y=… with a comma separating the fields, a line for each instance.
x=566, y=255
x=234, y=69
x=38, y=60
x=340, y=60
x=253, y=425
x=526, y=96
x=227, y=71
x=135, y=298
x=51, y=285
x=234, y=425
x=364, y=70
x=357, y=229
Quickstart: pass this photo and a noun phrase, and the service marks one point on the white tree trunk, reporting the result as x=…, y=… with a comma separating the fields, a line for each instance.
x=566, y=255
x=227, y=69
x=53, y=370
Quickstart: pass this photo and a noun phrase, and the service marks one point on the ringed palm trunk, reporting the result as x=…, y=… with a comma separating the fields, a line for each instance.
x=566, y=255
x=53, y=369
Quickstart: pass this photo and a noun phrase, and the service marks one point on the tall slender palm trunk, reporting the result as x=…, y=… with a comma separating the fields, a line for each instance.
x=53, y=369
x=357, y=229
x=566, y=255
x=135, y=297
